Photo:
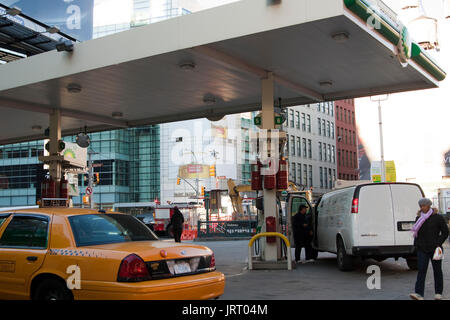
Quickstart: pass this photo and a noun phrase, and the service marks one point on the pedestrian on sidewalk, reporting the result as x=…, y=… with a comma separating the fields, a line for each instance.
x=302, y=229
x=430, y=231
x=177, y=222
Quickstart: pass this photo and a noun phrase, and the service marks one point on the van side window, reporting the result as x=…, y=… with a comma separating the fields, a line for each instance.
x=26, y=232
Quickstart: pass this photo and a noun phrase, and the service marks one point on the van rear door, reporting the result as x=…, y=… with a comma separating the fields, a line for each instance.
x=404, y=200
x=375, y=216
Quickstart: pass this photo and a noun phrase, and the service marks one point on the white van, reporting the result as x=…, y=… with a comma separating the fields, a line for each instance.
x=368, y=221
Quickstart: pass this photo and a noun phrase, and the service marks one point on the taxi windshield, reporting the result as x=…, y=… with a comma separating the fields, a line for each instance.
x=97, y=229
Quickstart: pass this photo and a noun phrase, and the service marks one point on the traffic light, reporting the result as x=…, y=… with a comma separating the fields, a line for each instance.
x=203, y=191
x=178, y=181
x=97, y=178
x=212, y=171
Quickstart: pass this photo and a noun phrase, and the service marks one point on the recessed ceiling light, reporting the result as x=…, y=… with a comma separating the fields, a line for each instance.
x=340, y=37
x=187, y=65
x=74, y=88
x=326, y=83
x=117, y=114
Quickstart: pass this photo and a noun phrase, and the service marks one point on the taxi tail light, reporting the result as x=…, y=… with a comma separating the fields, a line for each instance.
x=133, y=269
x=212, y=264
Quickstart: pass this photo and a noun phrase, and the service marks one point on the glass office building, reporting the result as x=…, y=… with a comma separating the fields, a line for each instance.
x=127, y=161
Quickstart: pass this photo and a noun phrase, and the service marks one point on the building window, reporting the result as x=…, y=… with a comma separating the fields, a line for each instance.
x=332, y=130
x=311, y=182
x=353, y=117
x=304, y=148
x=328, y=129
x=294, y=172
x=329, y=153
x=325, y=177
x=309, y=149
x=319, y=121
x=299, y=149
x=332, y=109
x=287, y=144
x=346, y=136
x=339, y=157
x=308, y=123
x=320, y=151
x=291, y=112
x=303, y=122
x=293, y=145
x=325, y=152
x=305, y=175
x=346, y=159
x=297, y=120
x=330, y=179
x=333, y=154
x=324, y=129
x=321, y=176
x=299, y=170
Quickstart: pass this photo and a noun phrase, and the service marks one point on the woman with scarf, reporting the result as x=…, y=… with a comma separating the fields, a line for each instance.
x=430, y=231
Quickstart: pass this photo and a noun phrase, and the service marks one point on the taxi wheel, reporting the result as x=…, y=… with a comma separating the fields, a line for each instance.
x=52, y=289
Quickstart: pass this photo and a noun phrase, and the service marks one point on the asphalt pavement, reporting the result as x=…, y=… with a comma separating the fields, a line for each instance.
x=320, y=279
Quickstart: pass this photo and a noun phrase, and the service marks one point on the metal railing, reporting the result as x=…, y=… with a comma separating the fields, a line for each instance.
x=269, y=234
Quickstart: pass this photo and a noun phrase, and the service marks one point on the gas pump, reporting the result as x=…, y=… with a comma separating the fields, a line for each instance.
x=256, y=176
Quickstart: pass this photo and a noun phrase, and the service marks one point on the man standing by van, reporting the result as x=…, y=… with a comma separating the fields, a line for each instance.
x=430, y=231
x=302, y=229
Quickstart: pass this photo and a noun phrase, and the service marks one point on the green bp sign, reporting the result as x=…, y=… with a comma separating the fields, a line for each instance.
x=278, y=119
x=404, y=46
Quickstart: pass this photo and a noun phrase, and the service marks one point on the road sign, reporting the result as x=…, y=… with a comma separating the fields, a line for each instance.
x=88, y=191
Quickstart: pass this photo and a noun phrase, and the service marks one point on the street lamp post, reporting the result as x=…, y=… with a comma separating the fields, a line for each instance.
x=380, y=123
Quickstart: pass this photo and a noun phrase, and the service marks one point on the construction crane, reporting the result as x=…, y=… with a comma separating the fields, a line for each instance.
x=236, y=199
x=297, y=189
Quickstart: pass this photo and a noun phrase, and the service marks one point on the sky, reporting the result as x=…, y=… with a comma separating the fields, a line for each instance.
x=415, y=124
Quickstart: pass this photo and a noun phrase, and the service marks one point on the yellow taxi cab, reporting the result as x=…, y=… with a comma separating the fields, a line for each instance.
x=66, y=253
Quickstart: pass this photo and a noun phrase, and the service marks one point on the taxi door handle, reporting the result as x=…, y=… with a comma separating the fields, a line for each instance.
x=32, y=258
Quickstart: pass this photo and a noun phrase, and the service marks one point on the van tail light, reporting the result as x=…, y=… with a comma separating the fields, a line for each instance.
x=133, y=269
x=212, y=264
x=355, y=204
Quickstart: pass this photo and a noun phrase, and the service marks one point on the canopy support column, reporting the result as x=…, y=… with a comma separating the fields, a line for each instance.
x=55, y=166
x=269, y=250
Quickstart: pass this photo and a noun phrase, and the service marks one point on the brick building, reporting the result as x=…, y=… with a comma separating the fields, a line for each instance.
x=346, y=140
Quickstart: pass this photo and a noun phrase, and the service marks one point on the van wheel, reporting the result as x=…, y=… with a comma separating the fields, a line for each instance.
x=412, y=263
x=52, y=289
x=344, y=261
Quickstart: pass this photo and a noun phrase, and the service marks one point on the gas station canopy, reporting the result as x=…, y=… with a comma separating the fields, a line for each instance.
x=210, y=63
